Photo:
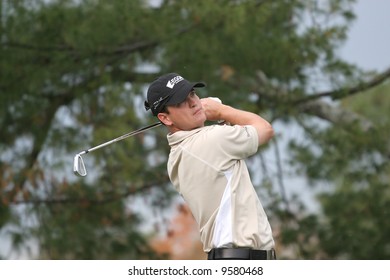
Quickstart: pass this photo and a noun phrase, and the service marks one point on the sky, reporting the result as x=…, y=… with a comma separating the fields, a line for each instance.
x=368, y=43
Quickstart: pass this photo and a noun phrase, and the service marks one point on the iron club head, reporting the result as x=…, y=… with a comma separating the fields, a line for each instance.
x=78, y=166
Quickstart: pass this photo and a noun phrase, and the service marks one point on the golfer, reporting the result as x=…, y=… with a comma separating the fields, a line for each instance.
x=206, y=166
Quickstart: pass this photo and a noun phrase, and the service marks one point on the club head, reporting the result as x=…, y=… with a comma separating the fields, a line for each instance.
x=78, y=166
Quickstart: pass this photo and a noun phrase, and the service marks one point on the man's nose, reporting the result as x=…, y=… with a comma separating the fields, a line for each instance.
x=192, y=101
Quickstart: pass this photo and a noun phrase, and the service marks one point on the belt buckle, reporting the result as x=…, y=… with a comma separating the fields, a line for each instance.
x=271, y=255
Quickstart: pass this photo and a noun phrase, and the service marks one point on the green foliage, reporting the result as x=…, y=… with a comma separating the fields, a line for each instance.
x=357, y=162
x=355, y=219
x=90, y=230
x=361, y=198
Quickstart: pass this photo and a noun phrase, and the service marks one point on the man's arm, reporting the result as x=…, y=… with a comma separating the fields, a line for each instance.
x=217, y=111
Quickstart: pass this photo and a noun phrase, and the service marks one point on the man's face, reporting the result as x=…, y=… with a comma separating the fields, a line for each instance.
x=184, y=116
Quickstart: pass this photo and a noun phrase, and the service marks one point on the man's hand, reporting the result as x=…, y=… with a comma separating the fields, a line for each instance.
x=212, y=107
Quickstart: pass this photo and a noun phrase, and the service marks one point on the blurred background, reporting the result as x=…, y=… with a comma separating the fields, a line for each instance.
x=74, y=74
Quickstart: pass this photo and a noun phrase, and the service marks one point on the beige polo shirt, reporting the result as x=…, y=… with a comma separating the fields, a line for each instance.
x=207, y=167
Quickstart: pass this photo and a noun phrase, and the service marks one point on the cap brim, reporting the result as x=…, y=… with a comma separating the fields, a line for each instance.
x=183, y=92
x=198, y=84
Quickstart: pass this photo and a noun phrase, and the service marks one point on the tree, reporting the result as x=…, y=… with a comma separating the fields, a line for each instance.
x=73, y=75
x=355, y=212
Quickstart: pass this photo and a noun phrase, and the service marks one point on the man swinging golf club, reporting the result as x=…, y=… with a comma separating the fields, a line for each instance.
x=206, y=166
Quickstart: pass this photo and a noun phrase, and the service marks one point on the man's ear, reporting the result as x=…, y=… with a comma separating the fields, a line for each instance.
x=164, y=118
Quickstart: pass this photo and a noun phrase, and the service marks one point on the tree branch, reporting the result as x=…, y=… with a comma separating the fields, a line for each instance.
x=107, y=197
x=280, y=175
x=341, y=93
x=336, y=115
x=320, y=108
x=136, y=46
x=120, y=50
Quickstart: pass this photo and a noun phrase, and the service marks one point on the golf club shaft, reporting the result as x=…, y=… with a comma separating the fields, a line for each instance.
x=135, y=132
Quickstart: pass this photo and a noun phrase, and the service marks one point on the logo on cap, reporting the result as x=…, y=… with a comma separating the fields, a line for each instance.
x=172, y=82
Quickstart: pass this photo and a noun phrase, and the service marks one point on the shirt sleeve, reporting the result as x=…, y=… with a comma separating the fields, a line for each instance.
x=237, y=141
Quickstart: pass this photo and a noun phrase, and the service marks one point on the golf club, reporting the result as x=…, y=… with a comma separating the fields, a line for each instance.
x=78, y=163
